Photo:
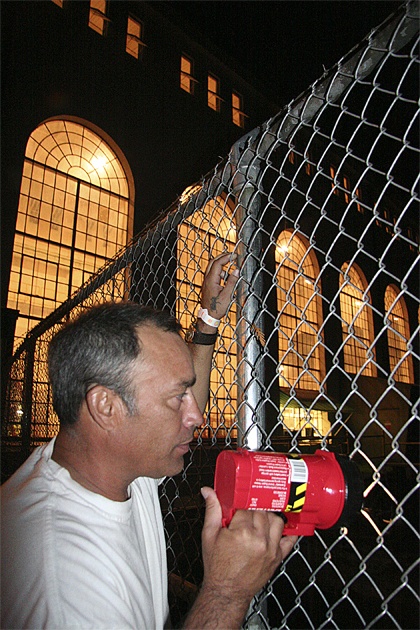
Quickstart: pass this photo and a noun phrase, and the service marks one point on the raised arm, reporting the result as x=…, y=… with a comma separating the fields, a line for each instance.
x=216, y=296
x=238, y=561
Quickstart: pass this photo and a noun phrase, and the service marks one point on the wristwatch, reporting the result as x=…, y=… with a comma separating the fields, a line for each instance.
x=193, y=335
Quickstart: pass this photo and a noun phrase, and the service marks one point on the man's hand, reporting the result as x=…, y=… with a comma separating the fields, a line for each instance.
x=238, y=561
x=217, y=289
x=243, y=556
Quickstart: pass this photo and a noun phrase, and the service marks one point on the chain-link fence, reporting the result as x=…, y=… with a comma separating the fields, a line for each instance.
x=320, y=348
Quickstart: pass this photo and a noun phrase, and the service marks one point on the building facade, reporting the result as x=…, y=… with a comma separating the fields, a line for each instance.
x=110, y=111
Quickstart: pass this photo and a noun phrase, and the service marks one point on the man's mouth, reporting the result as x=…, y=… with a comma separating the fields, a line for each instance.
x=185, y=446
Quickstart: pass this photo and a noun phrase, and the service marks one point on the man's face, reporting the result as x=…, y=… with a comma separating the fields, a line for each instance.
x=156, y=438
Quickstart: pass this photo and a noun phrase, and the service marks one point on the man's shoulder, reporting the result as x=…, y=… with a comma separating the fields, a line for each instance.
x=25, y=495
x=27, y=475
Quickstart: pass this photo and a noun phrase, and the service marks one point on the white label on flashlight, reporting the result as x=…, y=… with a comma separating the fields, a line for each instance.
x=299, y=470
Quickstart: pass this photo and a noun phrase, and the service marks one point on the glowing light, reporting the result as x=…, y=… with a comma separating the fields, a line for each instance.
x=99, y=161
x=189, y=192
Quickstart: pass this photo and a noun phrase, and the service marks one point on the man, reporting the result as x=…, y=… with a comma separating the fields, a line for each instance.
x=82, y=535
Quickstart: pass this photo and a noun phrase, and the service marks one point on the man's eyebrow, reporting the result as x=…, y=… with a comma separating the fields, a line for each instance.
x=189, y=383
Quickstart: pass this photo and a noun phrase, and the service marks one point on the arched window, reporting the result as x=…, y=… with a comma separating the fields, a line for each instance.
x=356, y=322
x=398, y=331
x=301, y=351
x=207, y=233
x=75, y=212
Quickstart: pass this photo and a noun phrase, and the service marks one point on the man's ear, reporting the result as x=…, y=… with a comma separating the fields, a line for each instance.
x=105, y=407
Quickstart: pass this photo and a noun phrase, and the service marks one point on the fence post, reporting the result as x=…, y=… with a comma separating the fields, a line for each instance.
x=250, y=367
x=250, y=370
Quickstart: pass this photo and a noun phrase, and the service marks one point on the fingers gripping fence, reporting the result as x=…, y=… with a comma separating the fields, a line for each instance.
x=320, y=348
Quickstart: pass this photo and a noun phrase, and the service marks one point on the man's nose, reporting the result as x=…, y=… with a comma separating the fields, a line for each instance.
x=193, y=416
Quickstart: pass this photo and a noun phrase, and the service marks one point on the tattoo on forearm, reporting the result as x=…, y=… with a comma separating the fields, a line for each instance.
x=213, y=303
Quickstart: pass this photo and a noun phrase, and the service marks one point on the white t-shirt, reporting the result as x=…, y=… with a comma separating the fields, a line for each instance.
x=75, y=559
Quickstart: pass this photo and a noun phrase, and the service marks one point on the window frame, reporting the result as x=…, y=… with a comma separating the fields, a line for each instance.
x=238, y=115
x=187, y=81
x=288, y=267
x=98, y=19
x=398, y=336
x=60, y=211
x=213, y=95
x=355, y=305
x=135, y=41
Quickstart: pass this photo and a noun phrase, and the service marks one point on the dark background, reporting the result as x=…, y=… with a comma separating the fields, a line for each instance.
x=284, y=45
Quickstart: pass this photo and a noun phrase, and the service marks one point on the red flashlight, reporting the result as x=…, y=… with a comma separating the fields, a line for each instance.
x=312, y=491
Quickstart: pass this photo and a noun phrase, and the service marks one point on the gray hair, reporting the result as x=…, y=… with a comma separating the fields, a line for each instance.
x=99, y=348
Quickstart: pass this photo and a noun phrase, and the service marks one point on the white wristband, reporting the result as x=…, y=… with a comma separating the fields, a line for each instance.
x=208, y=319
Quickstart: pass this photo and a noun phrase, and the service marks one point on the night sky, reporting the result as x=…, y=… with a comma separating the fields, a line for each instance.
x=283, y=45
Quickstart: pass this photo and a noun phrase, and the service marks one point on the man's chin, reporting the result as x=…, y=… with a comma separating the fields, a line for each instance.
x=176, y=467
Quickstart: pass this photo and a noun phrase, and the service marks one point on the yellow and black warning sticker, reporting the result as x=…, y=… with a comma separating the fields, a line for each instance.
x=298, y=485
x=296, y=497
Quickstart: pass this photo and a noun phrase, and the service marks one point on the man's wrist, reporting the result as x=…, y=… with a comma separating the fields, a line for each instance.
x=205, y=317
x=203, y=339
x=202, y=327
x=217, y=608
x=201, y=334
x=203, y=330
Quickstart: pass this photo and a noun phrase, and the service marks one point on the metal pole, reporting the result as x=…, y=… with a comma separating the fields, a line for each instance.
x=250, y=371
x=245, y=169
x=245, y=172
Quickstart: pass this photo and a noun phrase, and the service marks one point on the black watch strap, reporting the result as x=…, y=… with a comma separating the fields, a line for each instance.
x=203, y=339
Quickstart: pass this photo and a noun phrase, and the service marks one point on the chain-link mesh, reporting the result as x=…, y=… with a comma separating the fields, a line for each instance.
x=320, y=347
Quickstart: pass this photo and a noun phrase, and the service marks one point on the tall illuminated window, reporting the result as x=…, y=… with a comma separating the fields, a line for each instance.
x=186, y=76
x=213, y=98
x=133, y=45
x=74, y=213
x=209, y=232
x=398, y=332
x=301, y=352
x=238, y=116
x=356, y=321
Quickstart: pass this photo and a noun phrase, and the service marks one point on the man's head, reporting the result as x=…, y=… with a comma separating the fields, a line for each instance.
x=100, y=347
x=122, y=379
